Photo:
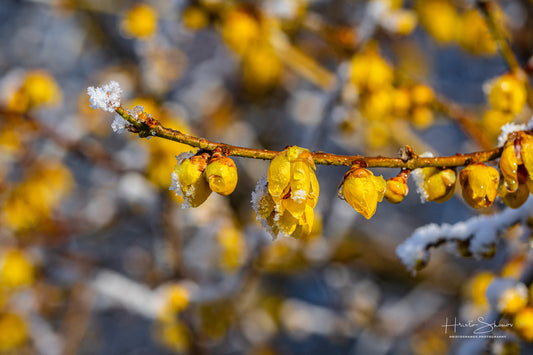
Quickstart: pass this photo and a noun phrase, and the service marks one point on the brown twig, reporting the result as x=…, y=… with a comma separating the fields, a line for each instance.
x=155, y=129
x=487, y=9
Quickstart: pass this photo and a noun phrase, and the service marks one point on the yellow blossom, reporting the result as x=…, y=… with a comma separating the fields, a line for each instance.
x=474, y=35
x=516, y=198
x=174, y=335
x=516, y=161
x=523, y=323
x=480, y=184
x=189, y=182
x=369, y=71
x=438, y=184
x=16, y=269
x=422, y=95
x=397, y=188
x=513, y=299
x=232, y=245
x=362, y=190
x=178, y=298
x=507, y=93
x=221, y=174
x=493, y=120
x=33, y=200
x=240, y=30
x=439, y=18
x=285, y=201
x=140, y=21
x=39, y=88
x=195, y=18
x=13, y=332
x=261, y=68
x=422, y=117
x=478, y=286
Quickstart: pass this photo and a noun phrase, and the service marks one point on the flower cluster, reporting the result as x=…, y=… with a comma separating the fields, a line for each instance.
x=285, y=200
x=194, y=177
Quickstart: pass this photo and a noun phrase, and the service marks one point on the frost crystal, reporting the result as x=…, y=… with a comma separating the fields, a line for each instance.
x=258, y=196
x=119, y=124
x=418, y=177
x=481, y=230
x=513, y=127
x=299, y=196
x=106, y=98
x=175, y=184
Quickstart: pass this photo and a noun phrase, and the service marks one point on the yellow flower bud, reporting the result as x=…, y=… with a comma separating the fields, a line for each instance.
x=480, y=184
x=362, y=190
x=507, y=93
x=188, y=180
x=523, y=323
x=516, y=161
x=438, y=184
x=140, y=21
x=473, y=33
x=439, y=18
x=422, y=117
x=422, y=95
x=195, y=18
x=369, y=71
x=514, y=199
x=13, y=332
x=513, y=299
x=397, y=188
x=221, y=174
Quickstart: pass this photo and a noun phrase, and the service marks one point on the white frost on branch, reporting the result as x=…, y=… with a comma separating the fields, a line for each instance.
x=483, y=231
x=119, y=124
x=106, y=98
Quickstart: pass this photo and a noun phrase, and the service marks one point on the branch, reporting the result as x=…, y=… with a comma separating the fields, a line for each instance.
x=147, y=127
x=486, y=8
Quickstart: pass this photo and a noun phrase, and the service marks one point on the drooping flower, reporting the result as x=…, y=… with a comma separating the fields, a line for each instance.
x=221, y=174
x=480, y=184
x=188, y=180
x=435, y=184
x=362, y=190
x=397, y=187
x=285, y=200
x=516, y=161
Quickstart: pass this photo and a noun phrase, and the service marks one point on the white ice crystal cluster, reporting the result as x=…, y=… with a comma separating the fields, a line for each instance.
x=105, y=98
x=483, y=231
x=513, y=127
x=418, y=177
x=175, y=185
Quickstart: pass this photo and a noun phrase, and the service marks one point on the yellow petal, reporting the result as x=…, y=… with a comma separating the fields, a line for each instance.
x=526, y=152
x=362, y=190
x=221, y=174
x=509, y=166
x=279, y=175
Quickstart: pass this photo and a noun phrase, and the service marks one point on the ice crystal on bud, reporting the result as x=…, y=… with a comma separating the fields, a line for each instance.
x=188, y=180
x=418, y=176
x=106, y=98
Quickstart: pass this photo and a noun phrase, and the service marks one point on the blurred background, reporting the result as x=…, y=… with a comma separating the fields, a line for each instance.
x=98, y=257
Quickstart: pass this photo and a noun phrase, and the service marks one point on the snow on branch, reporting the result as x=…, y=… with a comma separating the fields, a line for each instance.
x=106, y=98
x=479, y=234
